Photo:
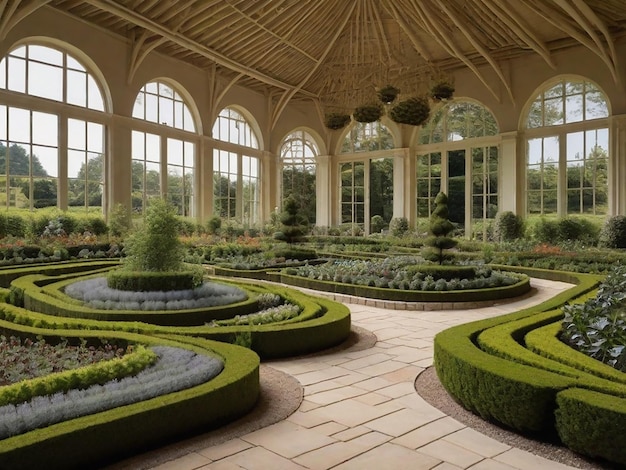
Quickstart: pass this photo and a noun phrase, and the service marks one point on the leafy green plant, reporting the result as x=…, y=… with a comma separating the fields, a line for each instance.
x=377, y=224
x=119, y=220
x=597, y=327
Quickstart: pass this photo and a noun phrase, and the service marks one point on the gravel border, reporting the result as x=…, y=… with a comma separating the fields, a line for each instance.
x=428, y=386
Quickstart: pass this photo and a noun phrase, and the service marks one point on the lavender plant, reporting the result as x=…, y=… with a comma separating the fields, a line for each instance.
x=95, y=293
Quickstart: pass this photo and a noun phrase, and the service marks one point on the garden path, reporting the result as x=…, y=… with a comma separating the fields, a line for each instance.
x=361, y=411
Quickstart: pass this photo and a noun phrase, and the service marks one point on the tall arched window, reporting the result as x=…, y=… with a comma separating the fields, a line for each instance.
x=236, y=170
x=567, y=150
x=31, y=154
x=458, y=155
x=366, y=174
x=163, y=162
x=297, y=156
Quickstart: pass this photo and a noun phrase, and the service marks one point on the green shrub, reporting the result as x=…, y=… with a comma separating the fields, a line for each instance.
x=156, y=246
x=508, y=226
x=566, y=229
x=377, y=224
x=213, y=225
x=613, y=233
x=15, y=225
x=119, y=220
x=398, y=226
x=154, y=281
x=546, y=230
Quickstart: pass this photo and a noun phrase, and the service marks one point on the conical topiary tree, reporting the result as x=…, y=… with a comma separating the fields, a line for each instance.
x=293, y=224
x=440, y=227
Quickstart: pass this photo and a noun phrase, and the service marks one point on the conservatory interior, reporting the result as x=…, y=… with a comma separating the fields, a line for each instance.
x=393, y=186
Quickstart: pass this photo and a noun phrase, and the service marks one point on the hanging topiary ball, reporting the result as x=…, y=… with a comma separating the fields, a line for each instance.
x=367, y=113
x=414, y=111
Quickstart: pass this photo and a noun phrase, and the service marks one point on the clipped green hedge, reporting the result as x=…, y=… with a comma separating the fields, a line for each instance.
x=152, y=281
x=94, y=440
x=51, y=300
x=486, y=367
x=593, y=424
x=321, y=324
x=544, y=341
x=469, y=295
x=445, y=271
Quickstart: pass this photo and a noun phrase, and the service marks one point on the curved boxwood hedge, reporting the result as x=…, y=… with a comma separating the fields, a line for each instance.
x=94, y=440
x=321, y=324
x=470, y=295
x=486, y=367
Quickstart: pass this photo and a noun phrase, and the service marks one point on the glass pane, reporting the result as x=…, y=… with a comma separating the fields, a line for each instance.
x=73, y=64
x=17, y=75
x=153, y=148
x=19, y=125
x=48, y=158
x=595, y=106
x=45, y=81
x=553, y=112
x=174, y=152
x=45, y=54
x=95, y=136
x=76, y=88
x=94, y=95
x=45, y=129
x=151, y=108
x=75, y=163
x=574, y=108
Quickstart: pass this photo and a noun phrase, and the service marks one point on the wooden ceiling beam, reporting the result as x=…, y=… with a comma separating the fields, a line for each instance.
x=138, y=20
x=12, y=12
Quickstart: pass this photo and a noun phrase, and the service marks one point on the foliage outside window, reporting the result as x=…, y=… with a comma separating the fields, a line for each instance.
x=451, y=134
x=557, y=143
x=145, y=169
x=236, y=174
x=367, y=137
x=160, y=103
x=297, y=156
x=30, y=149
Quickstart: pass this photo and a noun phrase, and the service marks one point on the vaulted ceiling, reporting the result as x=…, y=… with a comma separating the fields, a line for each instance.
x=343, y=49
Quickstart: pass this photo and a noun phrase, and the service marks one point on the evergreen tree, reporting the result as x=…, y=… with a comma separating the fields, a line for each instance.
x=440, y=227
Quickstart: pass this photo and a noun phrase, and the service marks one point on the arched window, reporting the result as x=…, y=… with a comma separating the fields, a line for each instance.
x=567, y=150
x=459, y=156
x=236, y=171
x=30, y=148
x=163, y=163
x=297, y=155
x=366, y=174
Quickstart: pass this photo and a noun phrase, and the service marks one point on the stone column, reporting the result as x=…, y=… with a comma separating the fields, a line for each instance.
x=512, y=168
x=617, y=165
x=324, y=191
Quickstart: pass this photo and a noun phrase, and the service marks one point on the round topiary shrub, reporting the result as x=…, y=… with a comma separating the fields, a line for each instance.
x=613, y=233
x=377, y=224
x=508, y=226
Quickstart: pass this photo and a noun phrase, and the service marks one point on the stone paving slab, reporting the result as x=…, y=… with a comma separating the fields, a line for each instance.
x=360, y=410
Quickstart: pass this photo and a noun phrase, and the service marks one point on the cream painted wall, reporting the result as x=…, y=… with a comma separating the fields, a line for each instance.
x=111, y=56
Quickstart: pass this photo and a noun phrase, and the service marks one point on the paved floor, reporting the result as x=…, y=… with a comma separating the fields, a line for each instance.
x=361, y=411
